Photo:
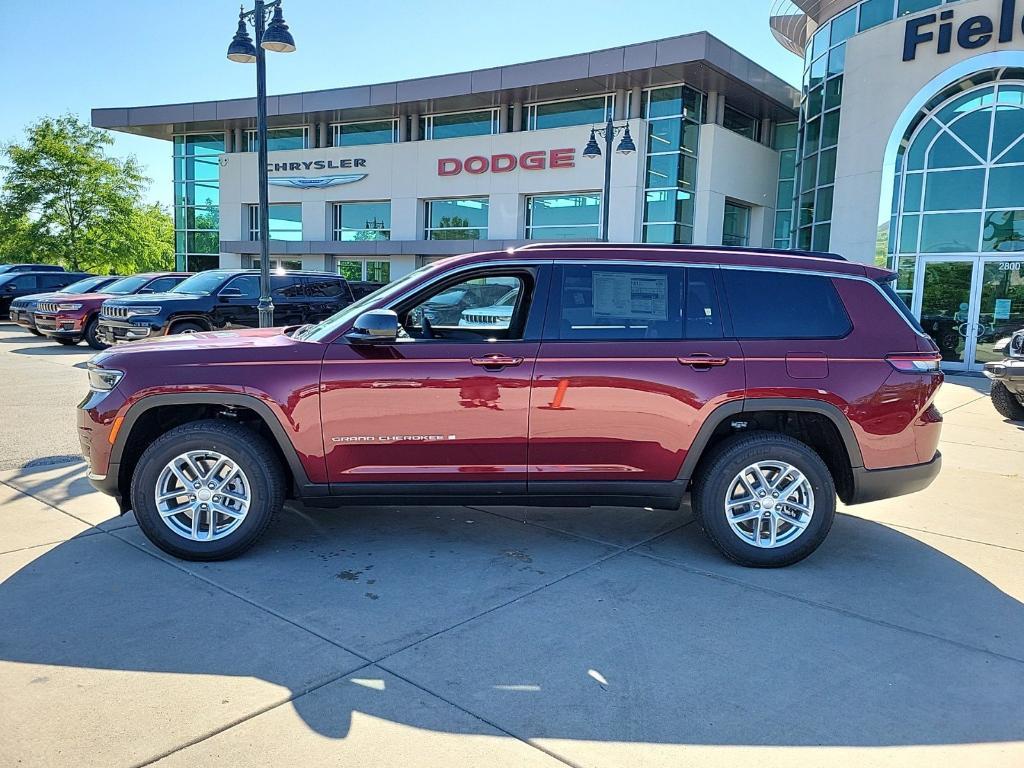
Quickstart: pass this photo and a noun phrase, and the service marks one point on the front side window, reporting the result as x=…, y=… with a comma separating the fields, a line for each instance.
x=605, y=302
x=248, y=286
x=461, y=219
x=479, y=308
x=563, y=217
x=356, y=222
x=162, y=284
x=802, y=306
x=558, y=114
x=455, y=125
x=285, y=221
x=126, y=285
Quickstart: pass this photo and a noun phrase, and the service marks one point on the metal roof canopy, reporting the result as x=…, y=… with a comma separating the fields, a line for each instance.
x=699, y=59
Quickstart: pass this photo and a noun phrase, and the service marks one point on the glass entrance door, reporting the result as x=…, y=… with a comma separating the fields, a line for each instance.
x=944, y=291
x=968, y=304
x=1000, y=302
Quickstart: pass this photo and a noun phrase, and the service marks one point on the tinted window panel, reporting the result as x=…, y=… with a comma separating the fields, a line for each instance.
x=779, y=305
x=283, y=286
x=249, y=285
x=325, y=287
x=162, y=284
x=642, y=302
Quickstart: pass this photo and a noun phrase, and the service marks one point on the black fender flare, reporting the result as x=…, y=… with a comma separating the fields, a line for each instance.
x=189, y=317
x=250, y=402
x=734, y=408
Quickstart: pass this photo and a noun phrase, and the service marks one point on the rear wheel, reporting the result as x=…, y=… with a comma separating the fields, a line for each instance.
x=207, y=490
x=34, y=332
x=764, y=499
x=92, y=334
x=1006, y=403
x=186, y=327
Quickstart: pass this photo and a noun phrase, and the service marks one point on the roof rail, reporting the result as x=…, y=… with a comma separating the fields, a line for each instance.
x=680, y=247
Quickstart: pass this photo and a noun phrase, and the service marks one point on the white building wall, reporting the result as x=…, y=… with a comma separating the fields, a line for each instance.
x=730, y=166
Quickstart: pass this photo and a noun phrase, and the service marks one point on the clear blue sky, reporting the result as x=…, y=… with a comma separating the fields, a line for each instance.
x=62, y=56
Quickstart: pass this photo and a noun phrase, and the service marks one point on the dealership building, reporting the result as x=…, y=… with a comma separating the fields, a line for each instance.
x=905, y=142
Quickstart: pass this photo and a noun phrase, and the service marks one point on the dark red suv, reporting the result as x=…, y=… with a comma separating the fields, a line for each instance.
x=762, y=383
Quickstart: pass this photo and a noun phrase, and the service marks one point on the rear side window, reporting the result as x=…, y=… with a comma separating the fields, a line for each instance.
x=285, y=287
x=784, y=305
x=618, y=302
x=898, y=302
x=324, y=287
x=55, y=280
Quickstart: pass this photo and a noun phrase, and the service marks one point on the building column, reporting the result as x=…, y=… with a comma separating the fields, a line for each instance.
x=636, y=102
x=325, y=134
x=766, y=131
x=403, y=128
x=503, y=118
x=240, y=140
x=711, y=107
x=414, y=132
x=620, y=105
x=228, y=136
x=517, y=116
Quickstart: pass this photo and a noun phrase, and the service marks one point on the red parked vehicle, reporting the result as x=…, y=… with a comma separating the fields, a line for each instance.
x=75, y=318
x=763, y=383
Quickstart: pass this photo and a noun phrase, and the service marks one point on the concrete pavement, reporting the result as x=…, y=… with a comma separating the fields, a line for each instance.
x=472, y=636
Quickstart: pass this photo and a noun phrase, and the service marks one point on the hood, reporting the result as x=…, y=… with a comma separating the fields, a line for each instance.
x=33, y=298
x=147, y=299
x=192, y=346
x=80, y=298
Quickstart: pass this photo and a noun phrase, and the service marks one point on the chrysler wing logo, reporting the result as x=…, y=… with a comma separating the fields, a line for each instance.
x=317, y=182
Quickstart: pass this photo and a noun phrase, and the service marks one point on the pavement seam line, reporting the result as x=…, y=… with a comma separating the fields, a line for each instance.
x=976, y=445
x=948, y=536
x=245, y=718
x=826, y=607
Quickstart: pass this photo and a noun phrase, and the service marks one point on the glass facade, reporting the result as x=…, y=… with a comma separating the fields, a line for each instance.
x=368, y=270
x=557, y=114
x=736, y=224
x=197, y=200
x=280, y=139
x=366, y=132
x=674, y=115
x=785, y=140
x=459, y=219
x=741, y=123
x=563, y=217
x=362, y=221
x=285, y=221
x=457, y=124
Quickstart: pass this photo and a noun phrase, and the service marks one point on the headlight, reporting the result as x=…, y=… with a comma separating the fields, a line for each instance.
x=68, y=307
x=103, y=379
x=135, y=311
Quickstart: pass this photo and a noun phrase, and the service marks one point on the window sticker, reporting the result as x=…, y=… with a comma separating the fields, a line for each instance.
x=1002, y=309
x=630, y=296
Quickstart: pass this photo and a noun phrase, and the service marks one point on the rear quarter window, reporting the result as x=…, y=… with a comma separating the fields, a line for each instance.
x=784, y=305
x=326, y=287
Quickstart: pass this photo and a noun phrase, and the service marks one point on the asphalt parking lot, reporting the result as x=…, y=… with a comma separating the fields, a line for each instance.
x=470, y=636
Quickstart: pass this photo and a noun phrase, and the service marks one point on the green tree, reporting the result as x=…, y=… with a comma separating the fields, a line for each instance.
x=76, y=205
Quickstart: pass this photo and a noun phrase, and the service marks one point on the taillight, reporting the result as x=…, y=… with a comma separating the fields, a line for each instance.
x=916, y=363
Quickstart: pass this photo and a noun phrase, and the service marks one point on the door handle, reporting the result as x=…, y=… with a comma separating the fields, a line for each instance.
x=702, y=362
x=496, y=361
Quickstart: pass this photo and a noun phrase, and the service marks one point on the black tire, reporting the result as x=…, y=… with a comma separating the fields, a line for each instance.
x=91, y=334
x=67, y=342
x=727, y=460
x=34, y=332
x=247, y=449
x=185, y=327
x=1006, y=403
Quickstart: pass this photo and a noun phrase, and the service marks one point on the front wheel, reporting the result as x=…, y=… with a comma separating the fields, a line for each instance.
x=67, y=342
x=207, y=490
x=186, y=327
x=91, y=335
x=1006, y=403
x=765, y=499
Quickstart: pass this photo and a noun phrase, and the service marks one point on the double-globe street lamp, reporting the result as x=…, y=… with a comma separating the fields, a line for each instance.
x=593, y=150
x=273, y=37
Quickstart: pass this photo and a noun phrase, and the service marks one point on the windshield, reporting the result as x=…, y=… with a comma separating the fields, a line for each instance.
x=327, y=327
x=202, y=284
x=84, y=286
x=126, y=285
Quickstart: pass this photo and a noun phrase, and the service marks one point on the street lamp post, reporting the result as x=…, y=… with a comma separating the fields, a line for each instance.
x=277, y=38
x=593, y=150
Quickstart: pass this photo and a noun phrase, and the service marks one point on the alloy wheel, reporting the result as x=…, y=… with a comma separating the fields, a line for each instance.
x=769, y=504
x=202, y=495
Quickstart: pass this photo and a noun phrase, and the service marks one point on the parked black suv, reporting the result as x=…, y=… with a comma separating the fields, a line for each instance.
x=223, y=298
x=15, y=284
x=6, y=269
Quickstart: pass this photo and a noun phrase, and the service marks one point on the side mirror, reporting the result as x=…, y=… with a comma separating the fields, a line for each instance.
x=230, y=293
x=378, y=326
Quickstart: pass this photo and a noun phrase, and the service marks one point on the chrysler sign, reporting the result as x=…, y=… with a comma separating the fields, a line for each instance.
x=504, y=163
x=316, y=182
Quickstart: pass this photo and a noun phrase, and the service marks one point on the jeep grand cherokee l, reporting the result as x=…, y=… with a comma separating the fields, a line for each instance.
x=22, y=309
x=76, y=317
x=762, y=383
x=223, y=298
x=17, y=284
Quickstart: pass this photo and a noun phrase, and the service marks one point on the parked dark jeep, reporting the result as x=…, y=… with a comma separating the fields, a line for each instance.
x=223, y=299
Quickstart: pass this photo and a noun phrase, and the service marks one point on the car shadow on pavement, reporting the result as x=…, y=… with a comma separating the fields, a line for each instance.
x=55, y=349
x=877, y=640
